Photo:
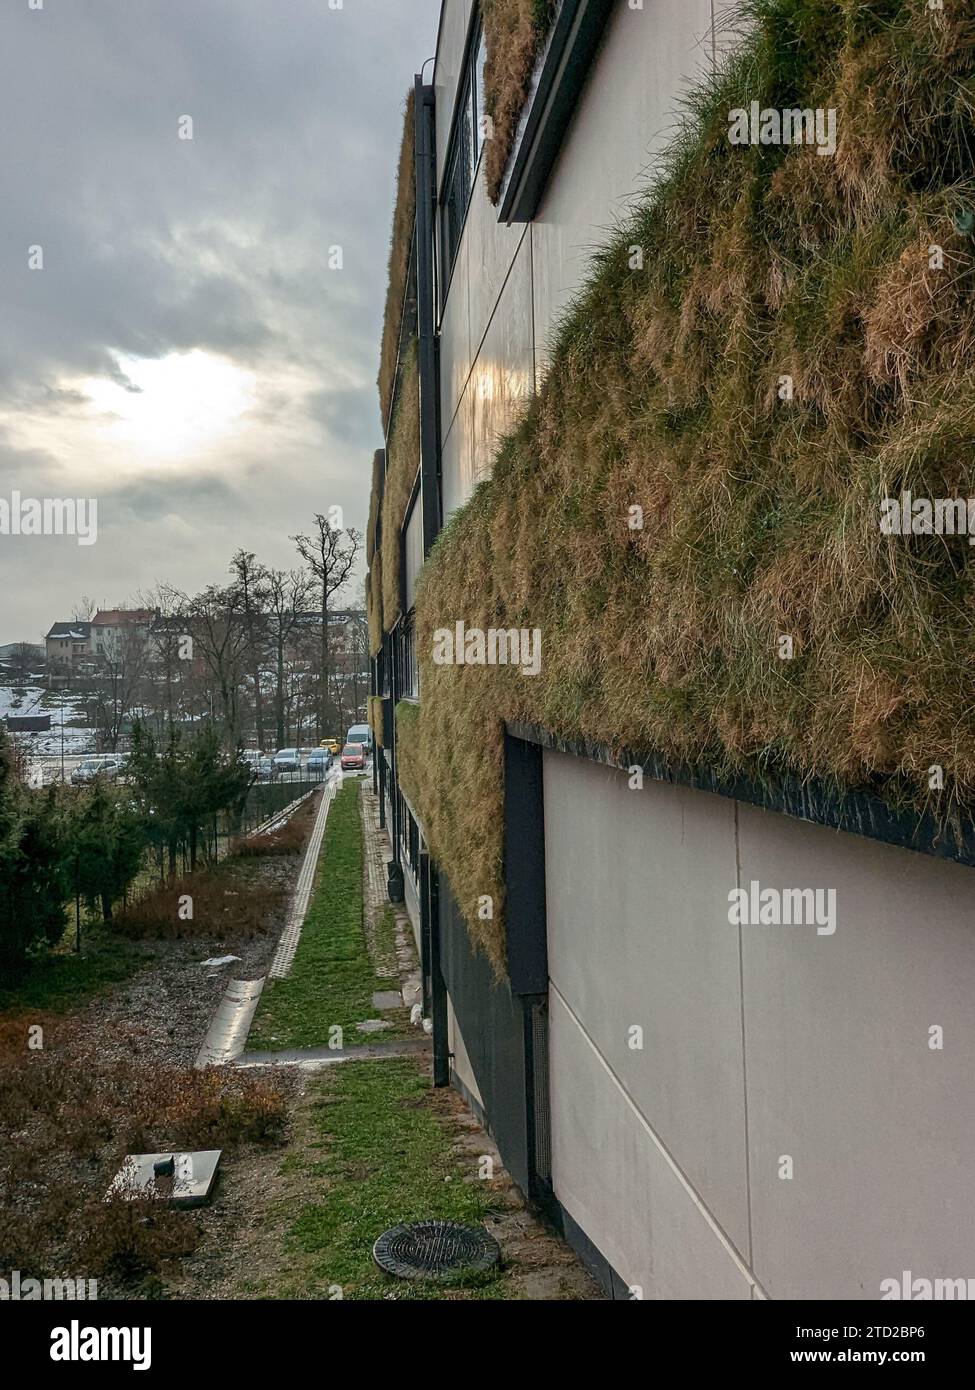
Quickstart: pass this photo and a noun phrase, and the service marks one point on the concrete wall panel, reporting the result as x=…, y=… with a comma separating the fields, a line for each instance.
x=503, y=378
x=626, y=116
x=455, y=340
x=841, y=1077
x=636, y=887
x=620, y=1186
x=457, y=460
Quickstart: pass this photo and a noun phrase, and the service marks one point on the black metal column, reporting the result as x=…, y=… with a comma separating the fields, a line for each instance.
x=427, y=341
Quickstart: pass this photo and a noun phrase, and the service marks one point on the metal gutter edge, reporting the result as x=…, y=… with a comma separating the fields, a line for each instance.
x=815, y=801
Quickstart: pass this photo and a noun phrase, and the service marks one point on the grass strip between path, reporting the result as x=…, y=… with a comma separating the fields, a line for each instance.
x=332, y=977
x=388, y=1158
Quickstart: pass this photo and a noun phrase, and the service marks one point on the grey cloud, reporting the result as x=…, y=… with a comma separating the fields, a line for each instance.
x=154, y=245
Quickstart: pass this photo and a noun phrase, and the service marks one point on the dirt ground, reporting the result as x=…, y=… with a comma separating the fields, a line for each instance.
x=161, y=1015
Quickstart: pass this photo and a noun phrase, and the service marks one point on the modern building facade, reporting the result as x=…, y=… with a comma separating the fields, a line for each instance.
x=710, y=1107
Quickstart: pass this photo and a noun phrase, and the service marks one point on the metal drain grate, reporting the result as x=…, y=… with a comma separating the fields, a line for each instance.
x=435, y=1249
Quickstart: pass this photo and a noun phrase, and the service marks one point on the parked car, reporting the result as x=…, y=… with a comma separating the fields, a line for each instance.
x=333, y=746
x=360, y=733
x=288, y=760
x=319, y=761
x=266, y=770
x=106, y=767
x=353, y=756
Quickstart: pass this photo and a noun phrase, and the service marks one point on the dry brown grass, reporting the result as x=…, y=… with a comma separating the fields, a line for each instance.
x=403, y=463
x=376, y=720
x=760, y=516
x=68, y=1116
x=514, y=32
x=404, y=214
x=223, y=904
x=375, y=499
x=374, y=603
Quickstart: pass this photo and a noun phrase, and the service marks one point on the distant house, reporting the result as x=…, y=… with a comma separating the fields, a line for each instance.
x=67, y=645
x=10, y=651
x=109, y=626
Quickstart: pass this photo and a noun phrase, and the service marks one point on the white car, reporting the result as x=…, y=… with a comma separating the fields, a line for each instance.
x=106, y=766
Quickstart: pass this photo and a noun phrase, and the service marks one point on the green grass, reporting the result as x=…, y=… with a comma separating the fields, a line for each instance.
x=58, y=982
x=332, y=978
x=387, y=1158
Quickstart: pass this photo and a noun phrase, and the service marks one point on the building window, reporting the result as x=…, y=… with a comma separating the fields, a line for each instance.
x=465, y=148
x=409, y=840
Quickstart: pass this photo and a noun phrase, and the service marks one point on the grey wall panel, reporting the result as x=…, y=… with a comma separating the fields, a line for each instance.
x=503, y=378
x=455, y=340
x=636, y=885
x=620, y=1187
x=457, y=459
x=413, y=552
x=492, y=248
x=841, y=1077
x=627, y=115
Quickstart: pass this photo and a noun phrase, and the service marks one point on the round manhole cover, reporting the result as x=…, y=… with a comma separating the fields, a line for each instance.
x=435, y=1250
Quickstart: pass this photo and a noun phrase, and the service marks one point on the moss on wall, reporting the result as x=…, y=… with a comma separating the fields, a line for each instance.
x=771, y=348
x=374, y=604
x=403, y=461
x=376, y=720
x=404, y=215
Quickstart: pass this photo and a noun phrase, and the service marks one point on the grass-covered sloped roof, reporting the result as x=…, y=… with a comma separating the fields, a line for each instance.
x=401, y=240
x=403, y=463
x=514, y=34
x=778, y=341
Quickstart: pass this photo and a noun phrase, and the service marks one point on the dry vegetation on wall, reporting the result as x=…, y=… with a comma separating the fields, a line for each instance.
x=514, y=32
x=375, y=495
x=404, y=214
x=403, y=449
x=376, y=721
x=761, y=515
x=374, y=604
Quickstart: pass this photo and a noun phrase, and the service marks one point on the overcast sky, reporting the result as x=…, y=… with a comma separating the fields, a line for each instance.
x=186, y=355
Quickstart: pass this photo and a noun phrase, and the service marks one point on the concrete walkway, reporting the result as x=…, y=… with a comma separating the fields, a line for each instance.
x=377, y=852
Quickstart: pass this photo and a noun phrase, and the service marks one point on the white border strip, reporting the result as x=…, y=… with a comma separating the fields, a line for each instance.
x=291, y=935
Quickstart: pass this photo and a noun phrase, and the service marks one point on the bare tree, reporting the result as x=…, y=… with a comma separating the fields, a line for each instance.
x=170, y=655
x=252, y=583
x=220, y=635
x=330, y=555
x=287, y=597
x=22, y=661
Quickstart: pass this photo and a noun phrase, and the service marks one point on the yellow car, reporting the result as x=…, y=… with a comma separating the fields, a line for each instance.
x=332, y=744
